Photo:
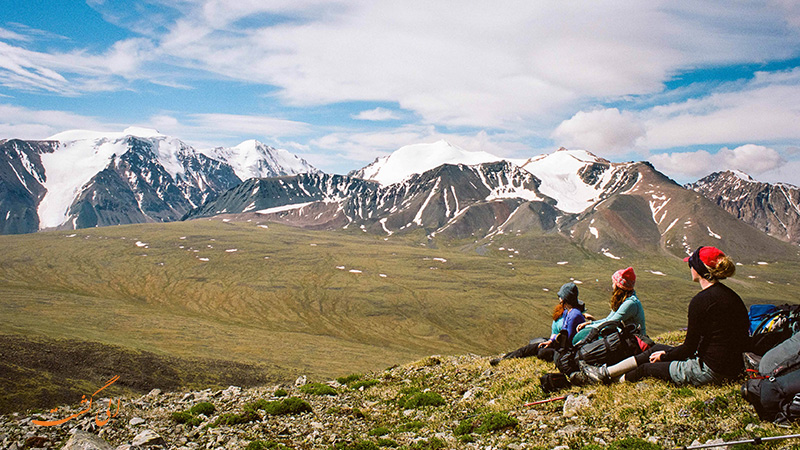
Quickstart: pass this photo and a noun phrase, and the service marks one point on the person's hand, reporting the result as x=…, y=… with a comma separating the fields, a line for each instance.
x=582, y=325
x=656, y=356
x=545, y=344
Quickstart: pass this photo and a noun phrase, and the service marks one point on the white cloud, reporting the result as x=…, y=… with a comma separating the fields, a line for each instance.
x=377, y=114
x=23, y=123
x=250, y=124
x=751, y=159
x=608, y=131
x=481, y=64
x=764, y=109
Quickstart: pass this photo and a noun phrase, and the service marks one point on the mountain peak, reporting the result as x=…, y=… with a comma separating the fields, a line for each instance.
x=419, y=158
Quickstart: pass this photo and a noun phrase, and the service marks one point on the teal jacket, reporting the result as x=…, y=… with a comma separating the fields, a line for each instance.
x=630, y=311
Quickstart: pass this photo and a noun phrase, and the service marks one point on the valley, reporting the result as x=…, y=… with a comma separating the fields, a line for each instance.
x=323, y=303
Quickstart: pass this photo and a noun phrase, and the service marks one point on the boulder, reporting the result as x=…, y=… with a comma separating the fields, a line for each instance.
x=82, y=440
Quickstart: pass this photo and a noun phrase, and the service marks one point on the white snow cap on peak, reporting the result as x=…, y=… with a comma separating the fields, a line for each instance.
x=742, y=175
x=419, y=158
x=253, y=159
x=80, y=135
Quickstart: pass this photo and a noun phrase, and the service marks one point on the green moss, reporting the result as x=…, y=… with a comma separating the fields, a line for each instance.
x=291, y=405
x=317, y=389
x=205, y=408
x=246, y=416
x=382, y=442
x=428, y=444
x=349, y=378
x=485, y=423
x=467, y=438
x=632, y=443
x=185, y=417
x=415, y=425
x=378, y=431
x=280, y=393
x=417, y=400
x=365, y=384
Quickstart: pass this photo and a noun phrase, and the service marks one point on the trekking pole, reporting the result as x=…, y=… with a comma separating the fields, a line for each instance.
x=563, y=397
x=757, y=440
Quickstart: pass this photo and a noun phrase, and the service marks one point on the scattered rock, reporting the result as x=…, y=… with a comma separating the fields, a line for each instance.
x=136, y=421
x=301, y=381
x=147, y=438
x=574, y=404
x=82, y=440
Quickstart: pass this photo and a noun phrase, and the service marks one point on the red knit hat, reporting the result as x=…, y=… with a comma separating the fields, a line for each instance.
x=624, y=278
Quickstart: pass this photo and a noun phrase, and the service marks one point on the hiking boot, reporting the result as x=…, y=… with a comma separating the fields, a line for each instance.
x=579, y=378
x=598, y=374
x=495, y=361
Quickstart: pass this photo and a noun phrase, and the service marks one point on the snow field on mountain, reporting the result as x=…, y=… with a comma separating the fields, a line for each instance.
x=67, y=169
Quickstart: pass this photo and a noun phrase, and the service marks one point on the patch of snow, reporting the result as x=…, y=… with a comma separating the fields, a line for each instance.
x=593, y=230
x=561, y=263
x=340, y=267
x=656, y=272
x=283, y=208
x=203, y=259
x=607, y=253
x=141, y=244
x=71, y=235
x=263, y=226
x=382, y=275
x=419, y=158
x=231, y=250
x=440, y=260
x=762, y=263
x=354, y=271
x=712, y=234
x=226, y=220
x=253, y=159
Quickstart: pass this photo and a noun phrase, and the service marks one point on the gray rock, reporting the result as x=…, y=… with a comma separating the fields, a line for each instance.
x=82, y=440
x=154, y=393
x=574, y=404
x=301, y=381
x=147, y=438
x=136, y=421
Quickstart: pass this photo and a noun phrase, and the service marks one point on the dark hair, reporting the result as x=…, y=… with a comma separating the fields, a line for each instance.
x=618, y=296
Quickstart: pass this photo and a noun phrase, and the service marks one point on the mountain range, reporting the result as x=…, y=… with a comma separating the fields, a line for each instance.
x=81, y=179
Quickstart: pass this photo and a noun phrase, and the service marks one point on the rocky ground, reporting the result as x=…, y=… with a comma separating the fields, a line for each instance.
x=438, y=402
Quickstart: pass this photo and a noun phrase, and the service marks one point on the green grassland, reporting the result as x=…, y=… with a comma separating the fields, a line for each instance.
x=286, y=298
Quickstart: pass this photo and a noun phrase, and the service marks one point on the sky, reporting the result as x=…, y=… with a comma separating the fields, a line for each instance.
x=693, y=87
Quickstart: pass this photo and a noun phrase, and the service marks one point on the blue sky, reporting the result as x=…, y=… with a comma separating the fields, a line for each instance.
x=694, y=87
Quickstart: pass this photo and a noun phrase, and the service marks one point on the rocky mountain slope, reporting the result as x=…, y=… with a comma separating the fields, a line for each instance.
x=80, y=179
x=613, y=209
x=435, y=403
x=772, y=208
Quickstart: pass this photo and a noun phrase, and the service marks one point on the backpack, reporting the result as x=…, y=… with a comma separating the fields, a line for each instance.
x=775, y=326
x=609, y=343
x=775, y=393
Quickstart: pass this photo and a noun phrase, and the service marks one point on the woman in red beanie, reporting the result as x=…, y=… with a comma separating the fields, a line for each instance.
x=625, y=305
x=716, y=334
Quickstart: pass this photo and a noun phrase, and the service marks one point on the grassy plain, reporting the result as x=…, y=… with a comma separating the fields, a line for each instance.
x=322, y=303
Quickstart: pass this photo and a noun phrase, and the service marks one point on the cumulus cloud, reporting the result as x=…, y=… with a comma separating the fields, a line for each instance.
x=24, y=123
x=751, y=159
x=377, y=114
x=763, y=109
x=606, y=130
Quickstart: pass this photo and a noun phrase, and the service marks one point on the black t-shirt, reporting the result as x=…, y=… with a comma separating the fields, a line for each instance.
x=717, y=331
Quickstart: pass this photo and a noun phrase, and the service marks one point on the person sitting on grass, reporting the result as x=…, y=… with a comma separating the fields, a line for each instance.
x=625, y=305
x=716, y=333
x=567, y=315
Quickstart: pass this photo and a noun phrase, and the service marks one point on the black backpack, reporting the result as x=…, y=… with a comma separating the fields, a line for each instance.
x=609, y=343
x=776, y=395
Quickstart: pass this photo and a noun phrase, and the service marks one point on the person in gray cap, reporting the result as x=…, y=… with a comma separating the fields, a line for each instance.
x=567, y=315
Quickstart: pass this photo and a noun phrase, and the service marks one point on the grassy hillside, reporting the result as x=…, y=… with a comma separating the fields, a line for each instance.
x=287, y=298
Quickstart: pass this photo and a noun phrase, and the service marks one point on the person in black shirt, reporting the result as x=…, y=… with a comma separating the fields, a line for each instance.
x=715, y=336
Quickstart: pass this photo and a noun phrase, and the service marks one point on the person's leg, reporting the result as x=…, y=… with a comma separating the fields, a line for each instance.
x=604, y=374
x=522, y=352
x=658, y=370
x=546, y=354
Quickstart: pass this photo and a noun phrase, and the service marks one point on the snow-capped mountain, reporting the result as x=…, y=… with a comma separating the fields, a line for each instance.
x=252, y=159
x=772, y=208
x=79, y=179
x=418, y=158
x=613, y=209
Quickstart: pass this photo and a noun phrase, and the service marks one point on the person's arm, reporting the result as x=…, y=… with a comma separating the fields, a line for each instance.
x=694, y=332
x=626, y=311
